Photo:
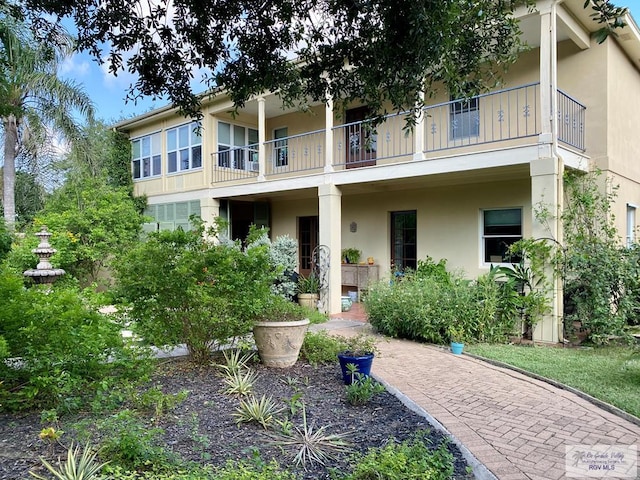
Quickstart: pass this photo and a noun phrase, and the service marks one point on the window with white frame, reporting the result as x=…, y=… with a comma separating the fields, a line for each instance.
x=281, y=147
x=631, y=224
x=501, y=228
x=237, y=147
x=184, y=148
x=146, y=156
x=464, y=118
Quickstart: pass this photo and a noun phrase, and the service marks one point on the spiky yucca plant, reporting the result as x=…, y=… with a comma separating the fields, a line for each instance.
x=77, y=467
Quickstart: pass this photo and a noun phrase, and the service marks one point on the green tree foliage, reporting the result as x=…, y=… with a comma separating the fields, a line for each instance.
x=393, y=49
x=5, y=240
x=65, y=352
x=35, y=103
x=183, y=288
x=90, y=223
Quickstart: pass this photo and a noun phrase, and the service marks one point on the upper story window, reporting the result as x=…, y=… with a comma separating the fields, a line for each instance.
x=237, y=147
x=501, y=228
x=146, y=156
x=281, y=147
x=464, y=118
x=184, y=148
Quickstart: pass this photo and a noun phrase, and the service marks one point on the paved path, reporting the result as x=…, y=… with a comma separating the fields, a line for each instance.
x=516, y=426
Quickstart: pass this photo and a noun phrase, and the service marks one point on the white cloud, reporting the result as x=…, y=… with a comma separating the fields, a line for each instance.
x=75, y=66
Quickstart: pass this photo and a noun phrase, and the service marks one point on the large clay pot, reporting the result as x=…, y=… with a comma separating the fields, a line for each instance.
x=279, y=343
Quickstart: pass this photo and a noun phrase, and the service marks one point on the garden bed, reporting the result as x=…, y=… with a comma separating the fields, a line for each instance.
x=202, y=429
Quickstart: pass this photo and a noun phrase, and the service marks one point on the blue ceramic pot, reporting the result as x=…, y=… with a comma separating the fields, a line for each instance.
x=456, y=348
x=363, y=362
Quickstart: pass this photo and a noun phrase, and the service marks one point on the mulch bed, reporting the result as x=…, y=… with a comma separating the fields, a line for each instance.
x=201, y=428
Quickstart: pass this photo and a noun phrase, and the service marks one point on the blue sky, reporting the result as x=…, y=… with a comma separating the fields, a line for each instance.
x=108, y=92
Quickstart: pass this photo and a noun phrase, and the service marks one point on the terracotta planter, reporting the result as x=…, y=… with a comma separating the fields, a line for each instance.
x=309, y=300
x=279, y=343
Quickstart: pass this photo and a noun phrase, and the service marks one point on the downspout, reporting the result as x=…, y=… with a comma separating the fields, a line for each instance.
x=556, y=153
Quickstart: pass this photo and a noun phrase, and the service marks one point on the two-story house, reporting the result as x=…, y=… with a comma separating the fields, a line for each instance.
x=462, y=185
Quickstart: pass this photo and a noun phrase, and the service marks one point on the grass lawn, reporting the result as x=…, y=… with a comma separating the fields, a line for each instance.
x=611, y=374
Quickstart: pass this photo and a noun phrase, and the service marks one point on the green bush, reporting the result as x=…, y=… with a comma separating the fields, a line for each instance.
x=320, y=347
x=131, y=444
x=411, y=460
x=89, y=228
x=183, y=288
x=424, y=305
x=67, y=352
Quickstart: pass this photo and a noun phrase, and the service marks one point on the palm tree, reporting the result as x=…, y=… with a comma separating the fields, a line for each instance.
x=35, y=105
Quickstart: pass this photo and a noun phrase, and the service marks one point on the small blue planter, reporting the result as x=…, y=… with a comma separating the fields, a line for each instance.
x=363, y=362
x=456, y=348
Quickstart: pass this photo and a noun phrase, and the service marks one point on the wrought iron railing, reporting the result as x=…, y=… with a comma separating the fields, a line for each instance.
x=296, y=153
x=503, y=116
x=571, y=118
x=235, y=163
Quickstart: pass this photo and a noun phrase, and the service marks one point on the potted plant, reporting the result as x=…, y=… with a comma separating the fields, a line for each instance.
x=351, y=255
x=279, y=331
x=457, y=337
x=309, y=291
x=357, y=357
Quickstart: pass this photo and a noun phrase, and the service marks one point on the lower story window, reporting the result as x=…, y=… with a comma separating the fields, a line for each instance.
x=501, y=228
x=404, y=249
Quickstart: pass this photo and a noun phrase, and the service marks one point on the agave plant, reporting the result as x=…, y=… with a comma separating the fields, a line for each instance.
x=314, y=445
x=77, y=467
x=262, y=411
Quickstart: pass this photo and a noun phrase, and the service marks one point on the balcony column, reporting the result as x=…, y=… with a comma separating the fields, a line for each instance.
x=418, y=132
x=262, y=137
x=330, y=226
x=545, y=73
x=328, y=135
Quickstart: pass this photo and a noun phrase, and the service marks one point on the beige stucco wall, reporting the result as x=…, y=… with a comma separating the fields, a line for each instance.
x=448, y=220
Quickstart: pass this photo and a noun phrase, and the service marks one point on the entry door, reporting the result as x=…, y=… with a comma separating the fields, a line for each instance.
x=404, y=240
x=308, y=241
x=360, y=140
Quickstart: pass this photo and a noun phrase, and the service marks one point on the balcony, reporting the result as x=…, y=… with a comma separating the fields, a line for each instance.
x=509, y=117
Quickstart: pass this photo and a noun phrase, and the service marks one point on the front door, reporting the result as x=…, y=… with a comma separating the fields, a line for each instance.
x=361, y=141
x=308, y=241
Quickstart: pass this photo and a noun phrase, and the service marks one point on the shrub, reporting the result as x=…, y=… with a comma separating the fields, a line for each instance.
x=320, y=347
x=362, y=389
x=128, y=442
x=409, y=460
x=183, y=288
x=424, y=305
x=67, y=352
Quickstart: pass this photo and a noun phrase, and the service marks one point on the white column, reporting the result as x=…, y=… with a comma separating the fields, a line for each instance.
x=418, y=133
x=262, y=137
x=546, y=174
x=209, y=210
x=545, y=73
x=328, y=135
x=330, y=220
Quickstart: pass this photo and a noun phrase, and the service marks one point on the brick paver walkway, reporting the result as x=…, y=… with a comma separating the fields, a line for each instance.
x=516, y=426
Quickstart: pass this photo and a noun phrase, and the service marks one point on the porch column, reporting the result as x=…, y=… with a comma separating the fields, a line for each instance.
x=418, y=133
x=262, y=137
x=328, y=135
x=546, y=176
x=330, y=226
x=209, y=210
